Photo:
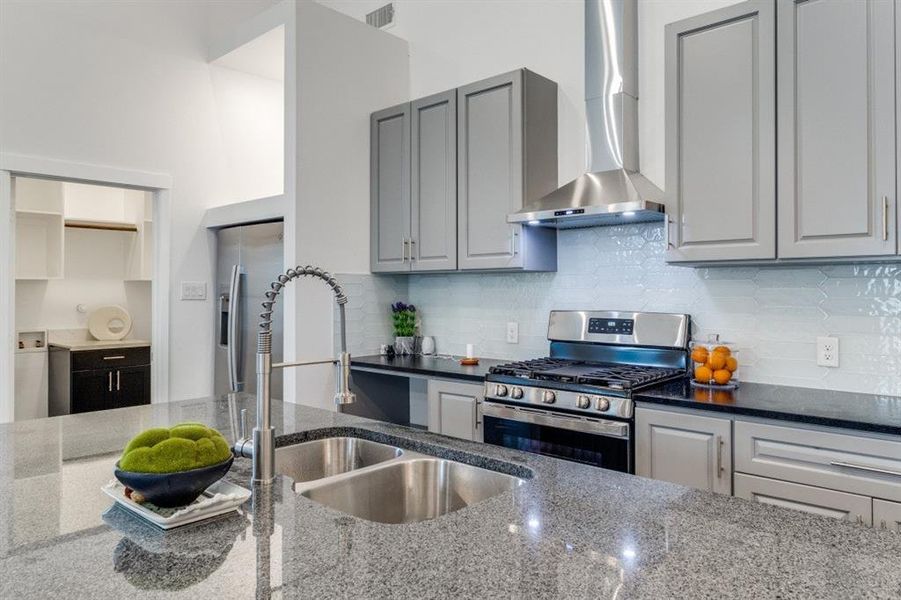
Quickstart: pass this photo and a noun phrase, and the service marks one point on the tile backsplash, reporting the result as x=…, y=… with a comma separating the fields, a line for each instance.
x=773, y=314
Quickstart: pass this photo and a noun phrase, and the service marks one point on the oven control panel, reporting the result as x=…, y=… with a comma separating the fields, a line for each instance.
x=611, y=326
x=589, y=404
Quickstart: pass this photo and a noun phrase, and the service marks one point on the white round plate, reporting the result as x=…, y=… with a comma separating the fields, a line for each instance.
x=109, y=323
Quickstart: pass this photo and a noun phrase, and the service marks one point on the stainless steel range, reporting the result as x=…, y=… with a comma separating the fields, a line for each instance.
x=576, y=404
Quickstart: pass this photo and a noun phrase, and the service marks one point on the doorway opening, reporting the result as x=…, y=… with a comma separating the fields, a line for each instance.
x=84, y=292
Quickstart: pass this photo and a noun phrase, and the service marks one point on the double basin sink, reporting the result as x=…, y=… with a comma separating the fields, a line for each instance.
x=382, y=483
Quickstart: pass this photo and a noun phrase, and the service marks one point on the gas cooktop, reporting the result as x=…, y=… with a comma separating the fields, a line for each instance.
x=602, y=375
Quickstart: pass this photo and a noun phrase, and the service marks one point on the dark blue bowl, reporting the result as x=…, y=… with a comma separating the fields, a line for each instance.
x=170, y=490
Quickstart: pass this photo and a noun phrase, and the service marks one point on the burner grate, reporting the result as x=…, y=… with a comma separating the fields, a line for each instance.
x=626, y=376
x=613, y=376
x=531, y=368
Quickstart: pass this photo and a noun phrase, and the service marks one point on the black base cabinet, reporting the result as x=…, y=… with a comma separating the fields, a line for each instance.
x=88, y=380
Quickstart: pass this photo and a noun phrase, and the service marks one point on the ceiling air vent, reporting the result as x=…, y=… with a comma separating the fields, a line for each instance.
x=382, y=17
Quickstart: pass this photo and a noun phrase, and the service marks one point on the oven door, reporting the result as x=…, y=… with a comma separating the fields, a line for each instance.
x=597, y=442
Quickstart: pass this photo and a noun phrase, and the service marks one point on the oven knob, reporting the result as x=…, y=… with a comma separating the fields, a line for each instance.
x=516, y=393
x=603, y=404
x=500, y=390
x=549, y=397
x=583, y=401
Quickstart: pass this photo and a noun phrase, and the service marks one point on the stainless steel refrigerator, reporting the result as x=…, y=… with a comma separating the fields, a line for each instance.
x=248, y=258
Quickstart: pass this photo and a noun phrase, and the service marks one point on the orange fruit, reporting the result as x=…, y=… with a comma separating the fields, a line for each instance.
x=716, y=361
x=722, y=376
x=731, y=364
x=723, y=350
x=703, y=374
x=699, y=355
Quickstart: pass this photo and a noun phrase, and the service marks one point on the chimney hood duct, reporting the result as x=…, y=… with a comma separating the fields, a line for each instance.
x=613, y=191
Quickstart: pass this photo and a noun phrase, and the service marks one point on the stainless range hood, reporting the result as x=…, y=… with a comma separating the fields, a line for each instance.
x=613, y=191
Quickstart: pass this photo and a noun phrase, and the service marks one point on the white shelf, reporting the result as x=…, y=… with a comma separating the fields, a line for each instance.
x=25, y=211
x=38, y=195
x=44, y=209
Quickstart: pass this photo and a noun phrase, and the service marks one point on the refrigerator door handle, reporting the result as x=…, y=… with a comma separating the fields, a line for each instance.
x=234, y=312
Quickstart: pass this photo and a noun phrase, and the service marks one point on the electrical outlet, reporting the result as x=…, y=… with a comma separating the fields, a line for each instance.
x=512, y=332
x=193, y=290
x=827, y=351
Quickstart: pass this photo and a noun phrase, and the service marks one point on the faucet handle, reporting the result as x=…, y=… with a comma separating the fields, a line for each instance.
x=243, y=423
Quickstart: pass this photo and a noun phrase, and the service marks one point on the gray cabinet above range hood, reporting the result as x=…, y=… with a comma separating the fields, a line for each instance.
x=613, y=191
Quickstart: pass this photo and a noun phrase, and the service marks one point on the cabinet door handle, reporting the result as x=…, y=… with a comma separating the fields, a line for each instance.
x=403, y=249
x=885, y=218
x=837, y=463
x=118, y=381
x=513, y=236
x=110, y=381
x=117, y=357
x=860, y=519
x=666, y=223
x=719, y=456
x=412, y=241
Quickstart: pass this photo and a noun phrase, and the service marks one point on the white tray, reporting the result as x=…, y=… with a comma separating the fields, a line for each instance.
x=220, y=498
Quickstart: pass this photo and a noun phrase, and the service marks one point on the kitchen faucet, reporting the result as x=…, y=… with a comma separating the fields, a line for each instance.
x=261, y=448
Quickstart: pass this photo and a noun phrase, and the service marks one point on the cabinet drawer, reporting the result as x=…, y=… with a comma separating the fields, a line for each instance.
x=817, y=501
x=87, y=360
x=831, y=460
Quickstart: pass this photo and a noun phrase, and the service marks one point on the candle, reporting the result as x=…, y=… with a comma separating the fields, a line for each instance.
x=470, y=351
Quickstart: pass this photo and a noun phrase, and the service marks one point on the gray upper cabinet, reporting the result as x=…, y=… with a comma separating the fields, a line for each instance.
x=507, y=156
x=836, y=114
x=720, y=135
x=433, y=174
x=390, y=190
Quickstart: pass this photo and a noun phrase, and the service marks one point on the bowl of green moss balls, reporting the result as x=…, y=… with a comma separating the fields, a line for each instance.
x=171, y=467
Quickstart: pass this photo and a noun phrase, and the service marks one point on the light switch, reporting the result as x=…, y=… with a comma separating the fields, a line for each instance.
x=512, y=332
x=193, y=290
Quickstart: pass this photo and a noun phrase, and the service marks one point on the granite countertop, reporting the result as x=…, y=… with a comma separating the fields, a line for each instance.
x=849, y=410
x=568, y=531
x=431, y=366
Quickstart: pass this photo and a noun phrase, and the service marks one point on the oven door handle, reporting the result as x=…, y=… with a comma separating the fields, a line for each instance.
x=560, y=421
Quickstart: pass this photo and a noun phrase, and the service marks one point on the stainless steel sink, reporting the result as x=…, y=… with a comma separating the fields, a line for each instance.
x=408, y=490
x=328, y=457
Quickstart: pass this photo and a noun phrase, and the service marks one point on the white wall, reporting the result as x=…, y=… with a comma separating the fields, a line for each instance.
x=344, y=71
x=127, y=84
x=251, y=117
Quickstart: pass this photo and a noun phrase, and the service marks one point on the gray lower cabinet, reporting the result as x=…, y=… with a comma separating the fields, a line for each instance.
x=433, y=179
x=390, y=190
x=887, y=515
x=507, y=156
x=454, y=409
x=836, y=113
x=684, y=448
x=720, y=135
x=818, y=501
